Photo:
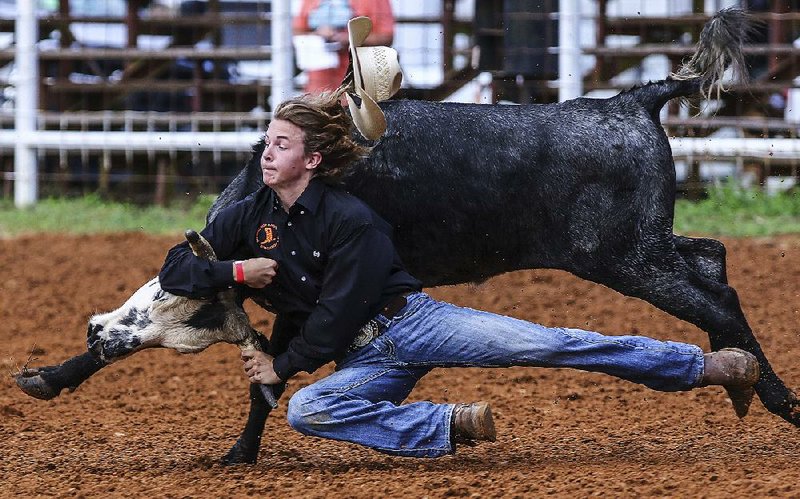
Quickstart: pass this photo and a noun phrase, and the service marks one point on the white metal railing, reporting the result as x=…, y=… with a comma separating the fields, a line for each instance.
x=718, y=148
x=27, y=89
x=56, y=140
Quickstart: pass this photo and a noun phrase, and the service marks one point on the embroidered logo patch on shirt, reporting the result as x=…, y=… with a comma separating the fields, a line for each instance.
x=267, y=236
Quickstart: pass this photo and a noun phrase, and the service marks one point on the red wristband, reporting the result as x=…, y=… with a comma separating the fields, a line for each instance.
x=239, y=268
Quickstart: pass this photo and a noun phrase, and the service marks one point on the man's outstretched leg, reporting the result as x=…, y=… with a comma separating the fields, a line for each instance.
x=362, y=401
x=438, y=334
x=47, y=382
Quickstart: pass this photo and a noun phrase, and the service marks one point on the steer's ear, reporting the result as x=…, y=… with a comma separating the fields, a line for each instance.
x=200, y=246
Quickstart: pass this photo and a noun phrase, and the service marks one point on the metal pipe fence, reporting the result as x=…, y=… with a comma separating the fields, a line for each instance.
x=88, y=139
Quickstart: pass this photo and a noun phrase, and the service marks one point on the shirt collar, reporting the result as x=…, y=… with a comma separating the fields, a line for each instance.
x=309, y=199
x=312, y=195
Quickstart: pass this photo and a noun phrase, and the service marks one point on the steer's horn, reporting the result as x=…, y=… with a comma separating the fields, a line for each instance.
x=200, y=246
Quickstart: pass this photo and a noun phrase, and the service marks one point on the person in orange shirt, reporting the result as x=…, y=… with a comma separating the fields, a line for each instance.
x=328, y=18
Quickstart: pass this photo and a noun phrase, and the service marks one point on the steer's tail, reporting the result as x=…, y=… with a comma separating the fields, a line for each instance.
x=720, y=47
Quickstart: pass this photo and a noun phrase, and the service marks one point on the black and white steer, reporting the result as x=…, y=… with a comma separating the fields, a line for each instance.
x=152, y=317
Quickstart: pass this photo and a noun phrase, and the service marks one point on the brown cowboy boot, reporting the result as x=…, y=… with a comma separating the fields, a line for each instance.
x=471, y=422
x=737, y=371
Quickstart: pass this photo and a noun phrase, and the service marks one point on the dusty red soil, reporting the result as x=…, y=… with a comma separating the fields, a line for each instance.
x=155, y=424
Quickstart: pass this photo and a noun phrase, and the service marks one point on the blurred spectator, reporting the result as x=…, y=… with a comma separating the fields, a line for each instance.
x=328, y=19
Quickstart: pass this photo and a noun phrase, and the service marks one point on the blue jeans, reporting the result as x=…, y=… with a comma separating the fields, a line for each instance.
x=361, y=401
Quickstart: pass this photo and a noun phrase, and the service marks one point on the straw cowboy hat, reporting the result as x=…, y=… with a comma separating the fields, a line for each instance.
x=376, y=77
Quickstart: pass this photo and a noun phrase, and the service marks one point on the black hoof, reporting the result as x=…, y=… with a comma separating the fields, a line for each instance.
x=32, y=383
x=239, y=454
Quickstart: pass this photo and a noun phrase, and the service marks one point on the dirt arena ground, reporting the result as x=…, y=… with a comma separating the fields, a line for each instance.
x=155, y=424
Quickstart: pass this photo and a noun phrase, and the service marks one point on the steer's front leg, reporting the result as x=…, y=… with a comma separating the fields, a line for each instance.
x=245, y=450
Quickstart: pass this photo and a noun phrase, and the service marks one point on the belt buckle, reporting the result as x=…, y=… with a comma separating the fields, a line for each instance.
x=367, y=333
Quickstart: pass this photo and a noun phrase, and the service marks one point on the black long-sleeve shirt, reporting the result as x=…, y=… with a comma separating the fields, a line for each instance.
x=337, y=267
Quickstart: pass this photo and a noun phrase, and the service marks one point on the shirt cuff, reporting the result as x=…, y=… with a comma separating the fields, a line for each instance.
x=222, y=273
x=283, y=368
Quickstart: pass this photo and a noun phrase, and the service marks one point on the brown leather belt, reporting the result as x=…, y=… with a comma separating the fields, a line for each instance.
x=395, y=305
x=374, y=327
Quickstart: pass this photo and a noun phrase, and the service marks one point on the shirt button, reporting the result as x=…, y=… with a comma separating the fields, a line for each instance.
x=302, y=212
x=289, y=224
x=294, y=252
x=303, y=278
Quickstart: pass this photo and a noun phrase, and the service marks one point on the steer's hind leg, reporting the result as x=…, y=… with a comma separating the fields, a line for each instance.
x=47, y=382
x=704, y=256
x=672, y=285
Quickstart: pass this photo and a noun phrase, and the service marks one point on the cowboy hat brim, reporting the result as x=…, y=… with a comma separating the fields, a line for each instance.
x=358, y=29
x=370, y=120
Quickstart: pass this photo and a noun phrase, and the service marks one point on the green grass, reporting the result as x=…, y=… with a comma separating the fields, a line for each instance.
x=733, y=211
x=728, y=211
x=90, y=214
